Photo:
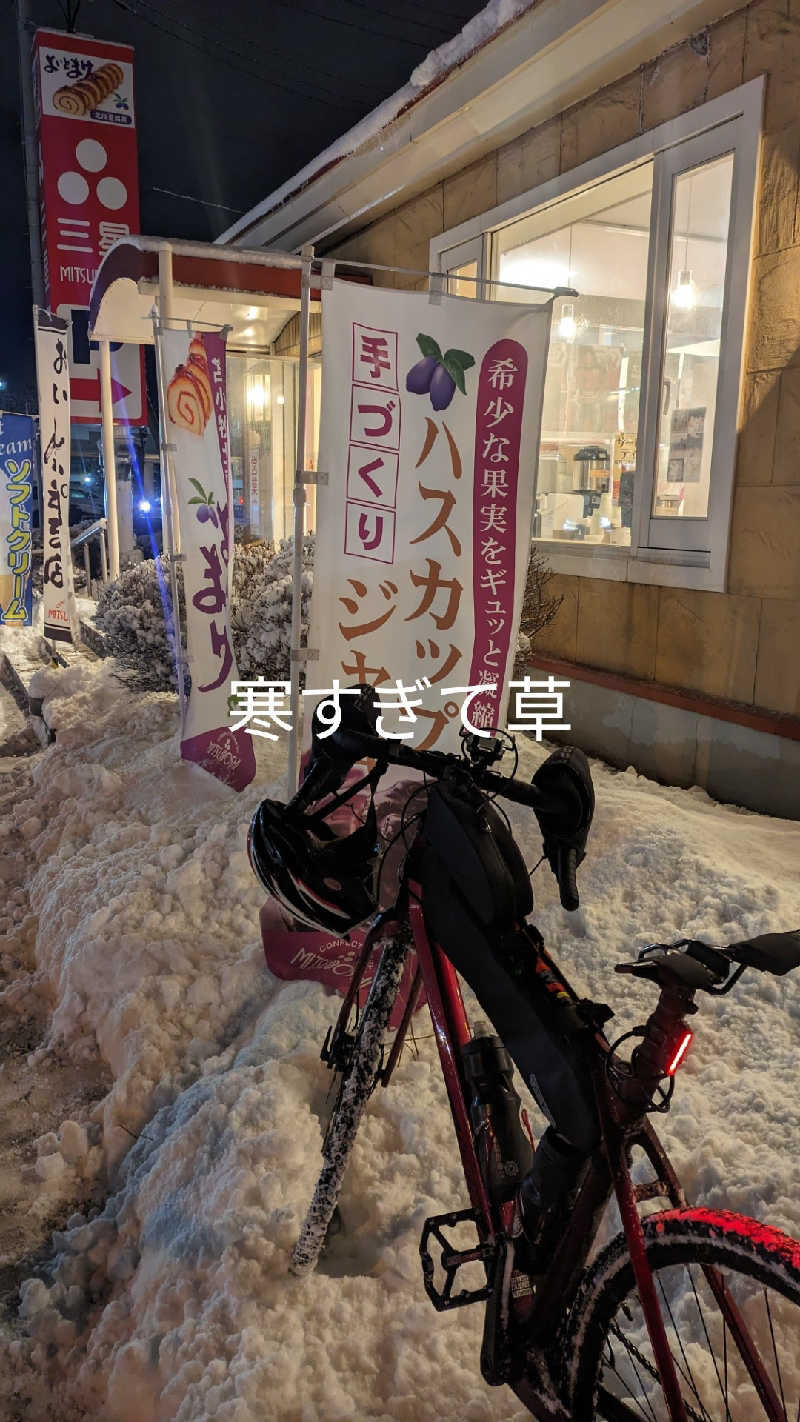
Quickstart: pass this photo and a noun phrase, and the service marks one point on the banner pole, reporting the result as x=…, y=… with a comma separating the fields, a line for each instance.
x=307, y=254
x=165, y=308
x=166, y=469
x=109, y=457
x=31, y=156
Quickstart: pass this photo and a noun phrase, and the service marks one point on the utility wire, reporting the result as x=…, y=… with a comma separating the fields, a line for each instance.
x=204, y=202
x=213, y=40
x=252, y=73
x=350, y=24
x=446, y=31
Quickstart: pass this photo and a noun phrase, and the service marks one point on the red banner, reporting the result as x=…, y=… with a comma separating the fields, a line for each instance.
x=89, y=197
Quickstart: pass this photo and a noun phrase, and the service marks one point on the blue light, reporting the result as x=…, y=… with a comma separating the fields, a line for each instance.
x=144, y=505
x=87, y=478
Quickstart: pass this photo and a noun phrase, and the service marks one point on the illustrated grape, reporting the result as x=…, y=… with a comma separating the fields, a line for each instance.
x=418, y=380
x=442, y=388
x=203, y=513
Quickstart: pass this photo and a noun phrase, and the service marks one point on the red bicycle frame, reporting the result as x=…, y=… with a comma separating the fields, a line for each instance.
x=452, y=1033
x=622, y=1128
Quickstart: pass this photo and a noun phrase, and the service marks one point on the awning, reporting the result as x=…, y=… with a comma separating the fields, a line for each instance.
x=253, y=292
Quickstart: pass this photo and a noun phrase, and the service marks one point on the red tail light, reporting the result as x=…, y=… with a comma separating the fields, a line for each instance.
x=680, y=1054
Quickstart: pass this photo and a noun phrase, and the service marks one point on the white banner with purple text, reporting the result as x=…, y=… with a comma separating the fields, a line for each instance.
x=197, y=429
x=429, y=436
x=52, y=371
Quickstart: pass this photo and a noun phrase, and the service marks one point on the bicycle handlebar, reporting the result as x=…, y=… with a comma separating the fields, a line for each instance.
x=344, y=748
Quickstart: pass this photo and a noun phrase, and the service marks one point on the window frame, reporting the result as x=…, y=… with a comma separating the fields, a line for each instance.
x=474, y=250
x=731, y=123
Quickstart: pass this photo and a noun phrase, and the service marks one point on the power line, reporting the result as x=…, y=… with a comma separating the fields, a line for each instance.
x=251, y=73
x=401, y=19
x=204, y=202
x=213, y=40
x=351, y=24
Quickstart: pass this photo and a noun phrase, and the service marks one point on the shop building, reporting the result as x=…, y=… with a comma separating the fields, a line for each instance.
x=648, y=157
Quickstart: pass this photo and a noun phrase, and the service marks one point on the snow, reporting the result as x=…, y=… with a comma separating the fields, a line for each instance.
x=434, y=67
x=174, y=1304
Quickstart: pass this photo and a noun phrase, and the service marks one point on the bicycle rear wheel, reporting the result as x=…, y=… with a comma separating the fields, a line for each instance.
x=356, y=1088
x=694, y=1254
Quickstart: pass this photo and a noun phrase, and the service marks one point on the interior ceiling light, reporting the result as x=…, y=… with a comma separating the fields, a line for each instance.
x=684, y=295
x=568, y=326
x=258, y=397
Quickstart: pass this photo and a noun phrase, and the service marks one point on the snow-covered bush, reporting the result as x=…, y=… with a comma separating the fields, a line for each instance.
x=539, y=607
x=131, y=614
x=251, y=559
x=261, y=622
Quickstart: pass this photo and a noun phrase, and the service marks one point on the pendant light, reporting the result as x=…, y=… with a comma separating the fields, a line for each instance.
x=568, y=326
x=684, y=293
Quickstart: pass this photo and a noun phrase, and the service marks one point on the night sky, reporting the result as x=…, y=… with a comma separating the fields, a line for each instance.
x=226, y=111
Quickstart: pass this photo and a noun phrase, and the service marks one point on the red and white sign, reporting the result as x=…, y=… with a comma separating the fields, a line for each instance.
x=89, y=197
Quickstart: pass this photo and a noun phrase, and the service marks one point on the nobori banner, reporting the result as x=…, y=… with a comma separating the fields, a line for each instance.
x=197, y=424
x=52, y=371
x=16, y=503
x=430, y=430
x=89, y=197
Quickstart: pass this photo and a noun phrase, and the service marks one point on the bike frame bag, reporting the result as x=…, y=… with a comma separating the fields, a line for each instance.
x=476, y=897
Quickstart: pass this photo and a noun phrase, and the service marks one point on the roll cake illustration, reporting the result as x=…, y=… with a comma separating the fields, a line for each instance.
x=79, y=99
x=189, y=397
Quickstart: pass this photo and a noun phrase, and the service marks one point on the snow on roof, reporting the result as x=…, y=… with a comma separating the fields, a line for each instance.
x=478, y=31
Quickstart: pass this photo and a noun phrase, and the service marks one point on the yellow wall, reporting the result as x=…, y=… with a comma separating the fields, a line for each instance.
x=743, y=645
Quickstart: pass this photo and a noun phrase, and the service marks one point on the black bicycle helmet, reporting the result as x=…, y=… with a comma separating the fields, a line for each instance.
x=324, y=880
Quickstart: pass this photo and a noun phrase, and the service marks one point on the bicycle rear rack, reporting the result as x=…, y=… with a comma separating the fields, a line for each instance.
x=451, y=1260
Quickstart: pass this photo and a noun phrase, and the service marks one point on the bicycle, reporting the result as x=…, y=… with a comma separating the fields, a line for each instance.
x=688, y=1314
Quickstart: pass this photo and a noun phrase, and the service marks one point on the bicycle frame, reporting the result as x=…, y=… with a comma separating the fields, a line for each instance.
x=623, y=1128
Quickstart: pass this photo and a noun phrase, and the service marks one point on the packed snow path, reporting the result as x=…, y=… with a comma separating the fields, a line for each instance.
x=173, y=1304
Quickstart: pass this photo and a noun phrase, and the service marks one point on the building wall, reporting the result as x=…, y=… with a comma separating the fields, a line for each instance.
x=742, y=645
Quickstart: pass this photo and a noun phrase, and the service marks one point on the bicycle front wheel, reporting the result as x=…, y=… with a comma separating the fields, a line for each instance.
x=356, y=1088
x=729, y=1290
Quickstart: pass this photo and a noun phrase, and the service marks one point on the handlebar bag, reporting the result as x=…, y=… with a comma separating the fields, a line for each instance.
x=476, y=894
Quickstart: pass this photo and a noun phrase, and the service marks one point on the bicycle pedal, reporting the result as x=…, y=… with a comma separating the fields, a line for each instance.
x=451, y=1260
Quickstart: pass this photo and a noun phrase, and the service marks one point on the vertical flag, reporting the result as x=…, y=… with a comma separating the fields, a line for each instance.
x=430, y=430
x=52, y=370
x=16, y=503
x=197, y=422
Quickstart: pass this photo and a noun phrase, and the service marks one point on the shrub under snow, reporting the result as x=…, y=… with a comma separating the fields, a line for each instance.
x=132, y=614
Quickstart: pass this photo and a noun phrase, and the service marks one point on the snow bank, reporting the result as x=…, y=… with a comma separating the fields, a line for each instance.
x=174, y=1304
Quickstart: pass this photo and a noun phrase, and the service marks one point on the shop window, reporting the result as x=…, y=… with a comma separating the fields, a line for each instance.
x=639, y=423
x=590, y=414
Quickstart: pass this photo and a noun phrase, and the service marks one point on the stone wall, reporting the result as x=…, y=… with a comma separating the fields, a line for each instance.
x=742, y=645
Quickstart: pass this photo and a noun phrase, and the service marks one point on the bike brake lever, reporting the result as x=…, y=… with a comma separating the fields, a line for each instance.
x=565, y=868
